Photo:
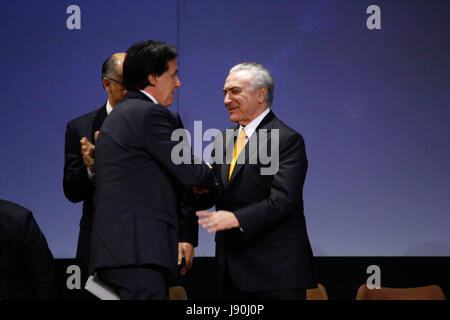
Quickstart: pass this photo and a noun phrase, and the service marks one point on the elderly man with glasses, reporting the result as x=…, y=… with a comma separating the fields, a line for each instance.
x=79, y=175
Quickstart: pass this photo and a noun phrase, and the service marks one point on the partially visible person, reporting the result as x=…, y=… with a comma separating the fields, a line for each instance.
x=27, y=270
x=135, y=234
x=79, y=172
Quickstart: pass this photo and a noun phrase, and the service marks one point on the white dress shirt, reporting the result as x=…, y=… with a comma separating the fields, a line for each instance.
x=108, y=108
x=150, y=96
x=251, y=127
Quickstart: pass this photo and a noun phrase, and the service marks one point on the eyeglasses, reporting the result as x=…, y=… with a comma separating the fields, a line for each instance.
x=114, y=80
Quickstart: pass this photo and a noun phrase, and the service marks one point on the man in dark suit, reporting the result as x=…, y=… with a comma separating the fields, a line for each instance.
x=26, y=264
x=262, y=246
x=79, y=172
x=134, y=241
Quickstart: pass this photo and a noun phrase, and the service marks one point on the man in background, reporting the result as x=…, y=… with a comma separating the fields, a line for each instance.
x=79, y=171
x=27, y=269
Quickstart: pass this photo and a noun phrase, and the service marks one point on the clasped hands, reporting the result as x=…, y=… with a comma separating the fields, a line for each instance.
x=88, y=152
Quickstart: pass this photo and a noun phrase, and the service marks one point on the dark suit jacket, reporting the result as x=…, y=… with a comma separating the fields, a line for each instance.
x=76, y=183
x=136, y=216
x=26, y=263
x=273, y=251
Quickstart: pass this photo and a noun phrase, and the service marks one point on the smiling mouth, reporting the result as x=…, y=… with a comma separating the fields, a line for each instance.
x=232, y=109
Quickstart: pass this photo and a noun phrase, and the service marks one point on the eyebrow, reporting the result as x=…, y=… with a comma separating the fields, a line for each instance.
x=232, y=88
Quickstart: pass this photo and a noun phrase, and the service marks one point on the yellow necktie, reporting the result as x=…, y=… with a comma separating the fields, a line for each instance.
x=240, y=143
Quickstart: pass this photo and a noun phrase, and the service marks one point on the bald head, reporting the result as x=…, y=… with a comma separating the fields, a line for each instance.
x=113, y=66
x=112, y=71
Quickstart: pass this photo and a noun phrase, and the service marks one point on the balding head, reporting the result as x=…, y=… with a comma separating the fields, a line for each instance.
x=113, y=66
x=112, y=71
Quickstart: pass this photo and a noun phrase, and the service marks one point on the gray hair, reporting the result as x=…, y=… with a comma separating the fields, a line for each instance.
x=261, y=78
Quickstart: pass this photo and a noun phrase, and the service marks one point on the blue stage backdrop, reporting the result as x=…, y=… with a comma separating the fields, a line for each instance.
x=372, y=105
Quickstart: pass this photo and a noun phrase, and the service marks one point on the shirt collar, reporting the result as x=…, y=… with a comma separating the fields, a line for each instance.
x=108, y=108
x=251, y=127
x=150, y=96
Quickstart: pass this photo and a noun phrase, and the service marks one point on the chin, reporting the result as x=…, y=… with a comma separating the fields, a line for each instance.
x=166, y=104
x=234, y=119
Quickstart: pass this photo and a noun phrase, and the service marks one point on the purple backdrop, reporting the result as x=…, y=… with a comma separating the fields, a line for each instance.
x=372, y=105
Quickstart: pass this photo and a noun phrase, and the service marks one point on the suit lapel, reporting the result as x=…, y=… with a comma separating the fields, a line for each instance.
x=98, y=121
x=247, y=153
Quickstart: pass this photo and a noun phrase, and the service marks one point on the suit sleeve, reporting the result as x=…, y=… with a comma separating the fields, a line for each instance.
x=285, y=191
x=76, y=182
x=188, y=225
x=38, y=261
x=160, y=146
x=188, y=228
x=204, y=201
x=207, y=200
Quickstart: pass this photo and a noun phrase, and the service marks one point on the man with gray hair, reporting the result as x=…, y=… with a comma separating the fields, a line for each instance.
x=262, y=246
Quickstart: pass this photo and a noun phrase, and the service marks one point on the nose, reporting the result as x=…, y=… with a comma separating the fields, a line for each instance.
x=227, y=99
x=178, y=83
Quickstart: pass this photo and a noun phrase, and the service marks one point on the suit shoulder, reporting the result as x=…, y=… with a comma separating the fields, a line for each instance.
x=287, y=132
x=174, y=114
x=16, y=223
x=133, y=105
x=176, y=117
x=13, y=213
x=160, y=111
x=84, y=118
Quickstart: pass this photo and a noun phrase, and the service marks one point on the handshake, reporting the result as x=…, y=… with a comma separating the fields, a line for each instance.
x=212, y=221
x=199, y=190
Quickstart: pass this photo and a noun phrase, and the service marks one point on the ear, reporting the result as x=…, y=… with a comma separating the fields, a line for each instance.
x=152, y=79
x=262, y=93
x=105, y=84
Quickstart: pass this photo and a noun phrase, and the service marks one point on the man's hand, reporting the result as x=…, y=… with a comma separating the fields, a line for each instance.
x=185, y=249
x=87, y=151
x=214, y=221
